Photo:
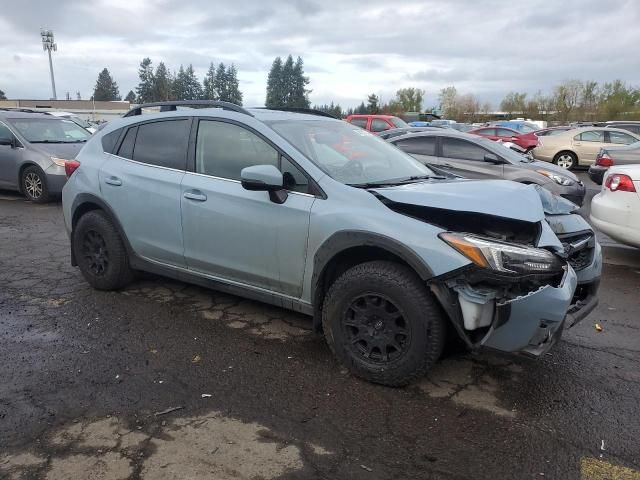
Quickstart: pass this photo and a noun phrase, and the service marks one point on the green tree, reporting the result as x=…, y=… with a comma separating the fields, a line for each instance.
x=410, y=99
x=178, y=90
x=298, y=93
x=566, y=98
x=514, y=103
x=145, y=88
x=131, y=97
x=617, y=100
x=161, y=84
x=275, y=95
x=372, y=103
x=209, y=91
x=233, y=93
x=220, y=81
x=192, y=87
x=448, y=99
x=106, y=88
x=333, y=109
x=2, y=95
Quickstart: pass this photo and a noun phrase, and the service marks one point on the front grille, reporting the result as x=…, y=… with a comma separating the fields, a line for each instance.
x=579, y=248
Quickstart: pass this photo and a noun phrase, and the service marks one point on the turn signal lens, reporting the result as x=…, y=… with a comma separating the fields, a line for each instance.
x=466, y=248
x=619, y=183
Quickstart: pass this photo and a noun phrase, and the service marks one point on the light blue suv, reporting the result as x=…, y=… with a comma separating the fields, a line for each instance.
x=313, y=214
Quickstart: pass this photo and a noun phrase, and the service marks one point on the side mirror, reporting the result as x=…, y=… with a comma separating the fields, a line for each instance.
x=8, y=141
x=514, y=138
x=264, y=178
x=492, y=158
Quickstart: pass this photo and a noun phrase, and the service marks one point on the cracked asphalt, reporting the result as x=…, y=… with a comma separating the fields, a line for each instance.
x=164, y=380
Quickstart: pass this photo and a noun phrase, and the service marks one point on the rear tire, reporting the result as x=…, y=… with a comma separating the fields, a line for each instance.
x=100, y=252
x=34, y=185
x=383, y=324
x=566, y=160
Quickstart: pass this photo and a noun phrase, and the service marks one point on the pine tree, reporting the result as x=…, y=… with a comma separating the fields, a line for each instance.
x=288, y=82
x=275, y=97
x=299, y=95
x=146, y=86
x=106, y=88
x=2, y=95
x=209, y=90
x=192, y=87
x=220, y=82
x=131, y=97
x=178, y=85
x=372, y=103
x=161, y=84
x=234, y=95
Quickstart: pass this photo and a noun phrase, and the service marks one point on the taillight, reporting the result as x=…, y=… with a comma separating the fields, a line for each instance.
x=71, y=166
x=604, y=160
x=619, y=183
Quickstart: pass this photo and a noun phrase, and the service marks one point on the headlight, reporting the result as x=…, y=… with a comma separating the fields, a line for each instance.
x=559, y=179
x=503, y=257
x=58, y=161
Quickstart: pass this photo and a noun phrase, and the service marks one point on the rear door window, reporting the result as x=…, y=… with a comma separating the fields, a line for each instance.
x=359, y=122
x=503, y=132
x=126, y=147
x=487, y=132
x=110, y=139
x=591, y=136
x=378, y=125
x=462, y=149
x=163, y=144
x=621, y=138
x=418, y=145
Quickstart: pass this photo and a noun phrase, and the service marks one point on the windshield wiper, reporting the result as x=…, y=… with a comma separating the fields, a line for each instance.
x=48, y=141
x=399, y=181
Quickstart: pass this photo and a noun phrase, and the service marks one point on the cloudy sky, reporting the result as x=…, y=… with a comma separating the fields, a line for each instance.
x=350, y=48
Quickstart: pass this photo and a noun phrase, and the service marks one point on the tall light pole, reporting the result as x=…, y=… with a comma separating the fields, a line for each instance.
x=48, y=44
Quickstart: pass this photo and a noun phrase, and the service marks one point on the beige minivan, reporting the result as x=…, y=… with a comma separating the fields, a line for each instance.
x=580, y=146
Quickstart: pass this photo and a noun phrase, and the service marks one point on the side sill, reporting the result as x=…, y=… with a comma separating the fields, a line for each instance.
x=138, y=263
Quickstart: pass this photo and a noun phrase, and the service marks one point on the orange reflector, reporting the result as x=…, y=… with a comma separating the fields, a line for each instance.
x=466, y=248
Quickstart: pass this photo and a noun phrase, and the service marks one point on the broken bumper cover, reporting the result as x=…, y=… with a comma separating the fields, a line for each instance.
x=533, y=323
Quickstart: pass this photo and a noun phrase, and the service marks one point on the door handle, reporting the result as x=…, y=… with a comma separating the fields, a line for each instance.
x=195, y=195
x=115, y=181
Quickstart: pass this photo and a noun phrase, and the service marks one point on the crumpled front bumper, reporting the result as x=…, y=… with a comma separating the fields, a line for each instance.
x=531, y=324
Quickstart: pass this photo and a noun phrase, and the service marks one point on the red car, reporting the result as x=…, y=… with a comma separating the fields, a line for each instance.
x=528, y=141
x=376, y=123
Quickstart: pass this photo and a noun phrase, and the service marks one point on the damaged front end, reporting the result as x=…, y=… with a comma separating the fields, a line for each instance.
x=512, y=298
x=528, y=277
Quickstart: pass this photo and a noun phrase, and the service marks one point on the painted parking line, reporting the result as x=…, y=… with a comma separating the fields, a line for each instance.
x=594, y=469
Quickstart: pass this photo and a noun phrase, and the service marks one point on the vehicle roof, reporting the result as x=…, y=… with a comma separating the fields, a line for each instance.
x=443, y=132
x=377, y=115
x=14, y=114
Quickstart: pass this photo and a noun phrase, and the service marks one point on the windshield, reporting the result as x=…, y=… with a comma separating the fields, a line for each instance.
x=349, y=154
x=398, y=122
x=39, y=130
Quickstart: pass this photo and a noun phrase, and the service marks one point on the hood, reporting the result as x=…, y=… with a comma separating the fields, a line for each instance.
x=501, y=198
x=550, y=167
x=67, y=151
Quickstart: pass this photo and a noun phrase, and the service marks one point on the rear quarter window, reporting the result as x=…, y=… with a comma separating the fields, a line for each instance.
x=109, y=140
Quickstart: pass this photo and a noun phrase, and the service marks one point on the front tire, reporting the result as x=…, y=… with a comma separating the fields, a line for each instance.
x=383, y=324
x=34, y=185
x=100, y=252
x=566, y=160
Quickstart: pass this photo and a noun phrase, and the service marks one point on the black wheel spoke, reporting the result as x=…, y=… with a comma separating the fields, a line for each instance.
x=376, y=329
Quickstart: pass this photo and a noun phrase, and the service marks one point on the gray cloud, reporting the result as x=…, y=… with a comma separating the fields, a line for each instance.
x=350, y=48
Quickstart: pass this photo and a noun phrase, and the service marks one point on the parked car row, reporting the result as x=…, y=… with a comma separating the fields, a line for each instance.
x=473, y=156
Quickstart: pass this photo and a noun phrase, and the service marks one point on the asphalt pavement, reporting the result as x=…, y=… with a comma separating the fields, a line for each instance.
x=164, y=380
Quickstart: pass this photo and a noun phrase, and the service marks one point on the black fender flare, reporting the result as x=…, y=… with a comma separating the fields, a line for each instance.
x=345, y=239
